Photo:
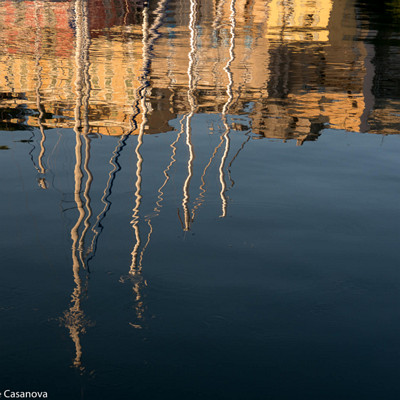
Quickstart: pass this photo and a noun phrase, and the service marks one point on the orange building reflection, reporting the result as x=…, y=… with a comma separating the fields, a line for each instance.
x=294, y=71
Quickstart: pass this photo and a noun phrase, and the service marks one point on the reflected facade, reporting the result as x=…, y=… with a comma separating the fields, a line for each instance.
x=294, y=71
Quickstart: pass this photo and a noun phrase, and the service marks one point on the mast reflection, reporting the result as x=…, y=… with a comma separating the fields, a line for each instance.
x=74, y=319
x=192, y=104
x=225, y=109
x=41, y=169
x=149, y=35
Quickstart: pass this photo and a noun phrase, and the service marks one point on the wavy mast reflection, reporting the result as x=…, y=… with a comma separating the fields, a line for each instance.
x=74, y=319
x=142, y=93
x=225, y=135
x=186, y=121
x=41, y=168
x=225, y=109
x=192, y=78
x=202, y=188
x=150, y=34
x=98, y=227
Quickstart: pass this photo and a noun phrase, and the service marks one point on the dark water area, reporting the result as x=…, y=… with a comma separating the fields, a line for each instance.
x=200, y=199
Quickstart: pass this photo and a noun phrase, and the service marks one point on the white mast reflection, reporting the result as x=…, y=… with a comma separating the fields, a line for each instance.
x=85, y=131
x=158, y=206
x=147, y=40
x=150, y=34
x=160, y=192
x=142, y=91
x=226, y=108
x=74, y=318
x=113, y=162
x=192, y=104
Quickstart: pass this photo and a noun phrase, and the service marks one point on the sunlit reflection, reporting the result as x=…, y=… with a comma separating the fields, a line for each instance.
x=273, y=40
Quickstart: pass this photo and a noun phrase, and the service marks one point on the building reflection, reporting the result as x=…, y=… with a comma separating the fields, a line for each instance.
x=294, y=66
x=280, y=67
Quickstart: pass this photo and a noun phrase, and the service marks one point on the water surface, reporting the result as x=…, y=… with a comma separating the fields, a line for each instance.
x=200, y=199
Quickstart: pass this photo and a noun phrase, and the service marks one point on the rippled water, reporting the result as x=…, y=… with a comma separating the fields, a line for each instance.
x=200, y=199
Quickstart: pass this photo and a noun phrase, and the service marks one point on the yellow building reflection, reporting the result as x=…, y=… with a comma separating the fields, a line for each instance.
x=300, y=20
x=291, y=62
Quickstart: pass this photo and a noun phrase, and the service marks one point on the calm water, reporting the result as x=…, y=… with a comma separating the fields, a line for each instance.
x=200, y=199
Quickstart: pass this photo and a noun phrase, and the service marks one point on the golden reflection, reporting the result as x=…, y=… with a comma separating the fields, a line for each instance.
x=218, y=16
x=274, y=40
x=300, y=20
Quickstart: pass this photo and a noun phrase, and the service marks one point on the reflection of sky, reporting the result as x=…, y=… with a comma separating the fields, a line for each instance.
x=248, y=42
